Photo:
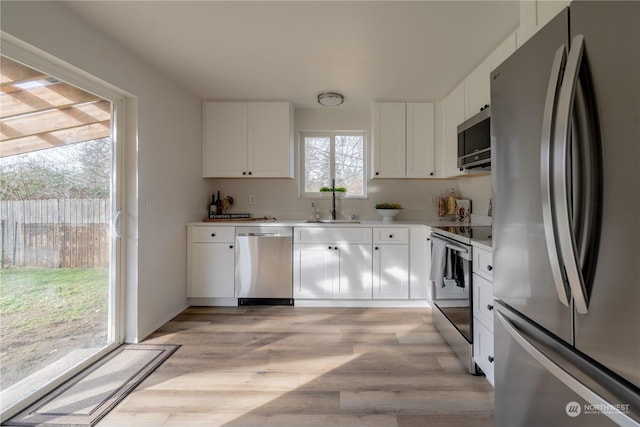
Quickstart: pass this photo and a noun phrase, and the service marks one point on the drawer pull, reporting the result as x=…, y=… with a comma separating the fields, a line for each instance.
x=230, y=246
x=213, y=234
x=489, y=307
x=489, y=267
x=491, y=359
x=391, y=236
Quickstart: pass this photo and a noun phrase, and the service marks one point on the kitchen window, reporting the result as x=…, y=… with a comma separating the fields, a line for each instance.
x=332, y=155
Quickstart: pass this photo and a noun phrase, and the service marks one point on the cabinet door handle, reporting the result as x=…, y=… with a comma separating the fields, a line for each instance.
x=377, y=173
x=430, y=173
x=213, y=234
x=489, y=307
x=491, y=359
x=489, y=267
x=376, y=248
x=244, y=173
x=335, y=248
x=230, y=246
x=391, y=236
x=330, y=247
x=249, y=172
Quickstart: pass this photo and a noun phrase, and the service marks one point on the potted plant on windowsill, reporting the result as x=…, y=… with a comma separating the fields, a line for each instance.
x=388, y=210
x=328, y=191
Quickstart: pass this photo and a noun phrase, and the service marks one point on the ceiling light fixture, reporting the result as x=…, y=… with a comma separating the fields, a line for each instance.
x=330, y=99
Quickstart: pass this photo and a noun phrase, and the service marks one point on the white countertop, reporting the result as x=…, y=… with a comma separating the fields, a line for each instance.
x=482, y=243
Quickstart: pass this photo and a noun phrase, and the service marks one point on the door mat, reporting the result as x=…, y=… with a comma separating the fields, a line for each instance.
x=90, y=395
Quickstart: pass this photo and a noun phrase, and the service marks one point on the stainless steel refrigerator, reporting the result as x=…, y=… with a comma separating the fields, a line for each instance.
x=566, y=221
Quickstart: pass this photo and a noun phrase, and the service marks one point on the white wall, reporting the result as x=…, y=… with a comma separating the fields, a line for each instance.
x=279, y=197
x=478, y=189
x=161, y=168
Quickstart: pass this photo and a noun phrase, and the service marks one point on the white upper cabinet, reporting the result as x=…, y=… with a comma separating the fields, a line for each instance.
x=466, y=100
x=534, y=14
x=247, y=139
x=403, y=140
x=454, y=114
x=389, y=139
x=476, y=88
x=478, y=84
x=420, y=140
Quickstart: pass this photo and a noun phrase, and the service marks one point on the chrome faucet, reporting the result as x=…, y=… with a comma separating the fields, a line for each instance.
x=333, y=210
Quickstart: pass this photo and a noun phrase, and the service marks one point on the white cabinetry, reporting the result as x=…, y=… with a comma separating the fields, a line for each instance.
x=391, y=263
x=467, y=99
x=403, y=140
x=247, y=139
x=454, y=114
x=210, y=262
x=534, y=14
x=483, y=309
x=419, y=264
x=332, y=263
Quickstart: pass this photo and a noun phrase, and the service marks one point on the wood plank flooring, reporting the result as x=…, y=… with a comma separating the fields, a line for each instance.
x=311, y=367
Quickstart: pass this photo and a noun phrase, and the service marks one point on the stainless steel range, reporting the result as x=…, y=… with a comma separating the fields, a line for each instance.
x=451, y=262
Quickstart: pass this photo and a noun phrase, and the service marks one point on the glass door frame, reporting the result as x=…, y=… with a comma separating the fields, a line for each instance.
x=28, y=55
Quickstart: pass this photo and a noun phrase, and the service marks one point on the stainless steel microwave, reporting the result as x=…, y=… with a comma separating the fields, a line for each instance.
x=474, y=141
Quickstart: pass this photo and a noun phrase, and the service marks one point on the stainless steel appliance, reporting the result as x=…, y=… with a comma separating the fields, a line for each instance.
x=566, y=221
x=474, y=141
x=264, y=265
x=451, y=265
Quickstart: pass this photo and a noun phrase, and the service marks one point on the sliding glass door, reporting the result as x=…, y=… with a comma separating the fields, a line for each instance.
x=59, y=259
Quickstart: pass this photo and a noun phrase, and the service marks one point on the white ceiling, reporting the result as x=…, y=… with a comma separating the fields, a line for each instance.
x=367, y=50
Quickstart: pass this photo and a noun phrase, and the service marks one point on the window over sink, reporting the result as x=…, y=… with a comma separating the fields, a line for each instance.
x=328, y=155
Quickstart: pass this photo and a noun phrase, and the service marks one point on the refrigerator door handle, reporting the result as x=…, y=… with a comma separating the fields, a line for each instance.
x=561, y=160
x=563, y=376
x=546, y=177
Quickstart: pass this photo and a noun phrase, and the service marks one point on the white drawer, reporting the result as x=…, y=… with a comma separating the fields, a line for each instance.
x=483, y=306
x=391, y=235
x=333, y=235
x=483, y=263
x=483, y=349
x=212, y=234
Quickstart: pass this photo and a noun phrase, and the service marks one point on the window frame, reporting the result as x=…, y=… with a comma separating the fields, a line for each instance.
x=331, y=134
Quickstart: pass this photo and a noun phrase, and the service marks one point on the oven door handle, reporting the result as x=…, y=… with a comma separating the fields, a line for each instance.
x=457, y=248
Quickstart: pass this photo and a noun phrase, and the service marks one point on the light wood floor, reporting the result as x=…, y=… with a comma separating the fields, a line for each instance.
x=311, y=367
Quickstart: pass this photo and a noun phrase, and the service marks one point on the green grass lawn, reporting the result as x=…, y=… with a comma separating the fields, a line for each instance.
x=35, y=297
x=46, y=313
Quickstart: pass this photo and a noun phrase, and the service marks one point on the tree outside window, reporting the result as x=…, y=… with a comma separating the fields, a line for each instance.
x=333, y=155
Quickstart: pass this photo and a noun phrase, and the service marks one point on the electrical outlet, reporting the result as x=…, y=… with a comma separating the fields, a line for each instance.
x=252, y=199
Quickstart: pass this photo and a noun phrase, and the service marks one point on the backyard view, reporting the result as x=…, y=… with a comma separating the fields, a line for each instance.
x=55, y=211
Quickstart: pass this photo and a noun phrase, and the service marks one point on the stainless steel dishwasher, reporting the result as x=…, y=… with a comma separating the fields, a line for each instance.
x=264, y=265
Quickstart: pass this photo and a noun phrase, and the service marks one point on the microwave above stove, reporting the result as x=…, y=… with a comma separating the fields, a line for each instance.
x=474, y=141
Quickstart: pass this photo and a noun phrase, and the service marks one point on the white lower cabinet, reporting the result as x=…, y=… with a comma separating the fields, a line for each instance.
x=313, y=271
x=391, y=272
x=483, y=349
x=210, y=262
x=391, y=263
x=328, y=271
x=483, y=312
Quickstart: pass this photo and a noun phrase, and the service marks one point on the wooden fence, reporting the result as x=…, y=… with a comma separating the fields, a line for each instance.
x=55, y=233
